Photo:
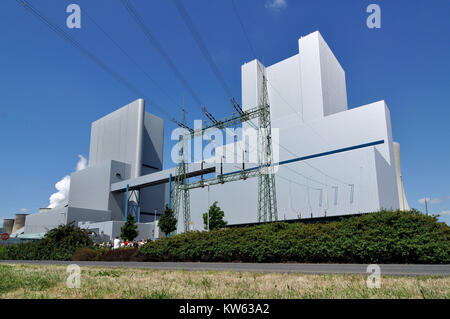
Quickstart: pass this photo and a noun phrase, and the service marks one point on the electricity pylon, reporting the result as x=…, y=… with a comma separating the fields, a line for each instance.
x=181, y=192
x=267, y=197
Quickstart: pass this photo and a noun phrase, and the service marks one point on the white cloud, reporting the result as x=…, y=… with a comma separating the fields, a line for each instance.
x=276, y=5
x=23, y=210
x=422, y=200
x=63, y=186
x=436, y=200
x=445, y=212
x=439, y=200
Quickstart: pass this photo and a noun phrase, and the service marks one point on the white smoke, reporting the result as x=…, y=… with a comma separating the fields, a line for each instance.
x=60, y=198
x=82, y=163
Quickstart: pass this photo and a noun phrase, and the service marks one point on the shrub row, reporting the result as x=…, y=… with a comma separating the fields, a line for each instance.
x=383, y=237
x=58, y=244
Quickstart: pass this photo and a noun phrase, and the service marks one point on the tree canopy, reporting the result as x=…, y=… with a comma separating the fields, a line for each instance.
x=168, y=222
x=216, y=215
x=129, y=230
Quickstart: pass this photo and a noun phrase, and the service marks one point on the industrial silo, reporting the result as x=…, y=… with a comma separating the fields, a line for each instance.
x=19, y=222
x=8, y=225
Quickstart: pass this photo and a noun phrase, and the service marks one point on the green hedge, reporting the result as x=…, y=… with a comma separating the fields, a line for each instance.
x=58, y=244
x=383, y=237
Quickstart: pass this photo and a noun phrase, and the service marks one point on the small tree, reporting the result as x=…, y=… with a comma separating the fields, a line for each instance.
x=215, y=217
x=168, y=222
x=129, y=230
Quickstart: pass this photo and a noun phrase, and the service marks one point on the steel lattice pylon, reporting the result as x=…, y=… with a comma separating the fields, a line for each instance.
x=181, y=192
x=267, y=197
x=132, y=203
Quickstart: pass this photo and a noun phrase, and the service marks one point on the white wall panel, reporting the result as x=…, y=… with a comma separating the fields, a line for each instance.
x=119, y=136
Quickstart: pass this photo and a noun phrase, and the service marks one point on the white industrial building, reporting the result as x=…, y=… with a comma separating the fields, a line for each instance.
x=333, y=160
x=330, y=160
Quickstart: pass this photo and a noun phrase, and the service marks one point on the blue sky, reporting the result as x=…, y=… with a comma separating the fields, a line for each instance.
x=50, y=92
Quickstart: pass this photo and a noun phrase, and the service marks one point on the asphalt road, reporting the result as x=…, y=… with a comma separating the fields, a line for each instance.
x=386, y=269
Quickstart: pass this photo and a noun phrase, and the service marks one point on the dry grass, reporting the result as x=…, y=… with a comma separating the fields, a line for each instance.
x=49, y=281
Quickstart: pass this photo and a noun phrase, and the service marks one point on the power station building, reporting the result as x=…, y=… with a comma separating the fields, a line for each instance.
x=329, y=160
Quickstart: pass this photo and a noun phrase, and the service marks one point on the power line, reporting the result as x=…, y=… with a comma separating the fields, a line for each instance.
x=299, y=184
x=243, y=28
x=196, y=35
x=306, y=177
x=217, y=73
x=132, y=11
x=106, y=68
x=89, y=54
x=282, y=97
x=301, y=118
x=213, y=66
x=315, y=168
x=131, y=58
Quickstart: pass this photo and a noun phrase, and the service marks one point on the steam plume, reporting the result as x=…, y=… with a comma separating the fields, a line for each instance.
x=60, y=198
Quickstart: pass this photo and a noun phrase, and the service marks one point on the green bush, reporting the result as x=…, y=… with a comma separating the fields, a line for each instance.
x=106, y=254
x=383, y=237
x=2, y=252
x=58, y=244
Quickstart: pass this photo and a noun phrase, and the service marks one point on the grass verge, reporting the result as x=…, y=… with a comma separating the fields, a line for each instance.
x=49, y=281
